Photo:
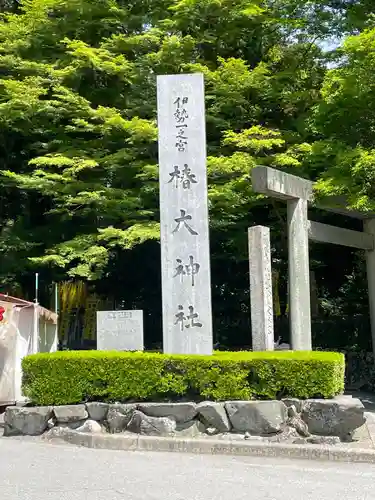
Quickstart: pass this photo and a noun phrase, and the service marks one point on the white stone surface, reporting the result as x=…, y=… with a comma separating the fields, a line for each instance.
x=281, y=185
x=261, y=301
x=285, y=186
x=186, y=281
x=326, y=233
x=299, y=275
x=90, y=426
x=119, y=330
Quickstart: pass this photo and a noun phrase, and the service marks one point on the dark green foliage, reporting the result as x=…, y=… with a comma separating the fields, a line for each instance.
x=78, y=153
x=77, y=376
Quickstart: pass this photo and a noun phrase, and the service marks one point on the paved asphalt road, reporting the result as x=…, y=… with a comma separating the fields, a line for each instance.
x=30, y=470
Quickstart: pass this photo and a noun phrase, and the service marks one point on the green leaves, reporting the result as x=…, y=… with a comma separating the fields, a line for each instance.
x=78, y=116
x=92, y=258
x=97, y=59
x=256, y=139
x=345, y=116
x=127, y=239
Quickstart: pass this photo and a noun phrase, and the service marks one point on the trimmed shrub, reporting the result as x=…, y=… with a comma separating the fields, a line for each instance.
x=77, y=376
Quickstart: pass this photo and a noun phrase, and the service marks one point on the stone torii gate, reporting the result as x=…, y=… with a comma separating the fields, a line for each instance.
x=297, y=193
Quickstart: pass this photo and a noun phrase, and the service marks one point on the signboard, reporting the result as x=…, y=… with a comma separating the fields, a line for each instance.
x=119, y=330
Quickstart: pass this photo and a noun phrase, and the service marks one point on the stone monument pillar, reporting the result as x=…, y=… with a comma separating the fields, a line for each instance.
x=261, y=303
x=184, y=230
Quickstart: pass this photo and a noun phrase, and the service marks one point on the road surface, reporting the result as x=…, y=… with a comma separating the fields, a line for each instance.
x=32, y=470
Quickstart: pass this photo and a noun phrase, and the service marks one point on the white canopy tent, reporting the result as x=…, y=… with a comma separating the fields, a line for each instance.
x=25, y=328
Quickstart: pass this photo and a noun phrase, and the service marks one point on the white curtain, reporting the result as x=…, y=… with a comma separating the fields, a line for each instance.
x=8, y=345
x=23, y=331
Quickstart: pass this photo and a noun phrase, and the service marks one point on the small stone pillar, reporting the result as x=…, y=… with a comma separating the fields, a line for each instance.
x=261, y=303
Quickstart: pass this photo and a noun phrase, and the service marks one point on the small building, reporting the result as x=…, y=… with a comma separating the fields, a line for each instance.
x=25, y=328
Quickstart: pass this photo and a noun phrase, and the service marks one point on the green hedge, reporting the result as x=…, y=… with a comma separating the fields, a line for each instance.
x=77, y=376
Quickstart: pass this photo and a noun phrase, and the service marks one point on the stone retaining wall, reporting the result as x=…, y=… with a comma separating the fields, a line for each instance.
x=290, y=420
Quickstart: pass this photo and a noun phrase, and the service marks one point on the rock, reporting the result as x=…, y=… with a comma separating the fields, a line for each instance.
x=191, y=429
x=257, y=417
x=297, y=403
x=56, y=433
x=211, y=431
x=292, y=411
x=181, y=412
x=119, y=415
x=50, y=423
x=26, y=421
x=325, y=440
x=299, y=425
x=65, y=434
x=91, y=426
x=151, y=426
x=214, y=415
x=97, y=411
x=70, y=413
x=333, y=417
x=70, y=425
x=288, y=434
